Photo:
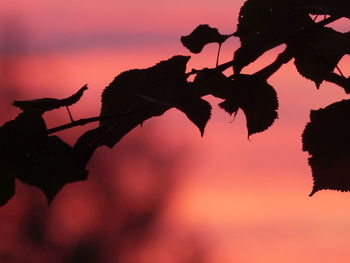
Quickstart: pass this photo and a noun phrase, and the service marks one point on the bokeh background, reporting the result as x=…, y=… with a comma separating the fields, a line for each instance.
x=163, y=194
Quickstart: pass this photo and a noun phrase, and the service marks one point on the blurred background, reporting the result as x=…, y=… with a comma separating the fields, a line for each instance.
x=163, y=194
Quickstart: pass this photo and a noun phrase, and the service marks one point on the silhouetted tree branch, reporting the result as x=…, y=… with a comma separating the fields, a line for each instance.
x=136, y=95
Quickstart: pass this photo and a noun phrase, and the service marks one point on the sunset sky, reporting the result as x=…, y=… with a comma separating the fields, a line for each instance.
x=245, y=200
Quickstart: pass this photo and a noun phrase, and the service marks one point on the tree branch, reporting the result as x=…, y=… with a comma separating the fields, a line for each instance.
x=340, y=81
x=85, y=121
x=266, y=72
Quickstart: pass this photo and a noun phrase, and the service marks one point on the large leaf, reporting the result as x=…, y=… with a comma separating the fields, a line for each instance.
x=7, y=178
x=318, y=52
x=256, y=98
x=137, y=95
x=51, y=165
x=263, y=25
x=19, y=136
x=327, y=139
x=201, y=36
x=28, y=154
x=16, y=137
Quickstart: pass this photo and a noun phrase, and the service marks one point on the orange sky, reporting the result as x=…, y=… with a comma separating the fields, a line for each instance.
x=247, y=199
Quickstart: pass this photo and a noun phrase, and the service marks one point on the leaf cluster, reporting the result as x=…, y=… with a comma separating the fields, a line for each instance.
x=32, y=155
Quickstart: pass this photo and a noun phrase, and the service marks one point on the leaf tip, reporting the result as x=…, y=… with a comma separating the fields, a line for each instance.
x=202, y=130
x=49, y=198
x=314, y=190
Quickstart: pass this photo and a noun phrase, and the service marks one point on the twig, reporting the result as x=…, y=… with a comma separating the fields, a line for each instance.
x=268, y=71
x=85, y=121
x=80, y=122
x=339, y=80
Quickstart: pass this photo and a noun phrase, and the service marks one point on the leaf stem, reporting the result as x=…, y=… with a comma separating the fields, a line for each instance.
x=218, y=55
x=72, y=124
x=340, y=72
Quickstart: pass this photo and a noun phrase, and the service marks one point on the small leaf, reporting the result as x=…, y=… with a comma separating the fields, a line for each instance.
x=256, y=98
x=47, y=104
x=327, y=139
x=201, y=36
x=137, y=95
x=197, y=110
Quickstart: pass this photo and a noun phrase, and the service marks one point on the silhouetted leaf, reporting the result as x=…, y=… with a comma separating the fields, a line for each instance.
x=51, y=165
x=87, y=143
x=16, y=139
x=137, y=95
x=327, y=139
x=256, y=98
x=197, y=110
x=318, y=52
x=201, y=36
x=34, y=158
x=7, y=179
x=47, y=104
x=263, y=25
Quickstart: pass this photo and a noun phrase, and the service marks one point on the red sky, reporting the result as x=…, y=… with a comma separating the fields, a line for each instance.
x=248, y=199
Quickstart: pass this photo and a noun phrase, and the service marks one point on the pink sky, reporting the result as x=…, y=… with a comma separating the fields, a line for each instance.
x=247, y=199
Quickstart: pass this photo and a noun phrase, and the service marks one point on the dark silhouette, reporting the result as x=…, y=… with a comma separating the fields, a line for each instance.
x=121, y=232
x=48, y=104
x=30, y=154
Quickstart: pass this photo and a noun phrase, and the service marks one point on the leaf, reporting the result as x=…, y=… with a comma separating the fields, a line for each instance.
x=197, y=110
x=256, y=98
x=28, y=154
x=47, y=104
x=201, y=36
x=327, y=140
x=137, y=95
x=263, y=25
x=7, y=179
x=15, y=138
x=318, y=53
x=51, y=165
x=251, y=93
x=87, y=143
